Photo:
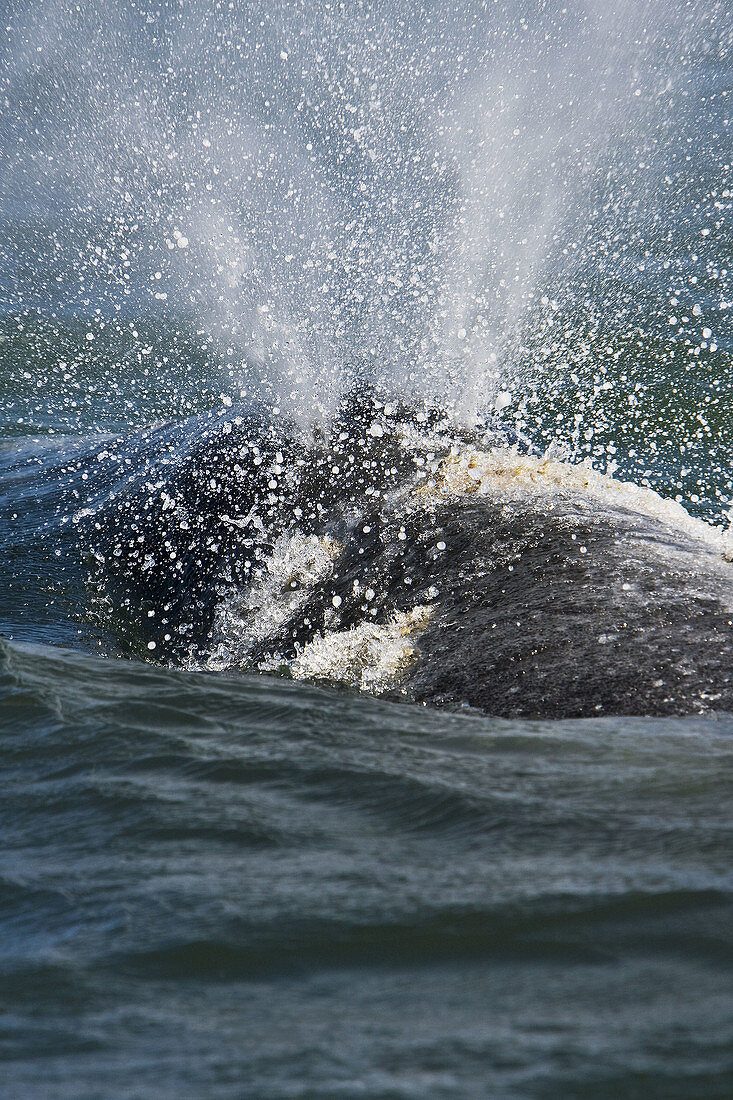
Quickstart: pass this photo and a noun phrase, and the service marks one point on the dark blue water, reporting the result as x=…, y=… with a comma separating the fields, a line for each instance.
x=225, y=884
x=239, y=887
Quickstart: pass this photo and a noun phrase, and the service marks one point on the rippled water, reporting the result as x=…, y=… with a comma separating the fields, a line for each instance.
x=229, y=887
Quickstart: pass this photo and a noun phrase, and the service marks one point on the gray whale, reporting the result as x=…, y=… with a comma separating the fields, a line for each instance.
x=410, y=561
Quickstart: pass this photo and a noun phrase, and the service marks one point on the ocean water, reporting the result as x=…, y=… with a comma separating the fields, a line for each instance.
x=241, y=249
x=243, y=887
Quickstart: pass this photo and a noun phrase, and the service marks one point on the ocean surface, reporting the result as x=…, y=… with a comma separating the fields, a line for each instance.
x=223, y=883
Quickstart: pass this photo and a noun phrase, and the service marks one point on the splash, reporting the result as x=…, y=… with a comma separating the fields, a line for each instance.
x=520, y=209
x=371, y=657
x=281, y=585
x=504, y=471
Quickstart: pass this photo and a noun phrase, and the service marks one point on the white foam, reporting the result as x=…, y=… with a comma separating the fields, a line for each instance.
x=369, y=657
x=246, y=618
x=504, y=472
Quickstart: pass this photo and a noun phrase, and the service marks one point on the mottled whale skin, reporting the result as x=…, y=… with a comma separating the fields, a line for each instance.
x=528, y=587
x=555, y=604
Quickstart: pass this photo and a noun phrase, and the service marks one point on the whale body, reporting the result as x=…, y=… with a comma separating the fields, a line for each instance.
x=396, y=555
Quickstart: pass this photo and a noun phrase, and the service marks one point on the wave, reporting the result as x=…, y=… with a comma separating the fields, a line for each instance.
x=295, y=861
